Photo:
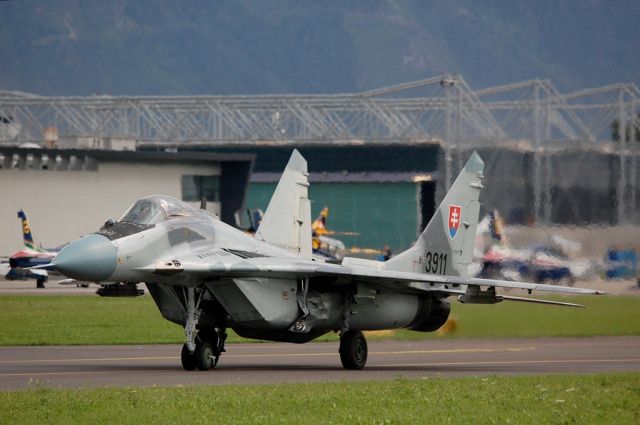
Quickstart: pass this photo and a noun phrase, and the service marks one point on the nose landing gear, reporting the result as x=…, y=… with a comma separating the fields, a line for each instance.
x=203, y=346
x=209, y=345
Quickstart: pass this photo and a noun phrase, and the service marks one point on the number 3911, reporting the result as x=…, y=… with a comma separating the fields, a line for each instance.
x=435, y=263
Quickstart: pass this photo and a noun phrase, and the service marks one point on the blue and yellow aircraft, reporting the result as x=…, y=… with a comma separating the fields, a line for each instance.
x=32, y=255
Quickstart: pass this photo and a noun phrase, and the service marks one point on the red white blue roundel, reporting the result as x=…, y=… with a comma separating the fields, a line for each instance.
x=455, y=215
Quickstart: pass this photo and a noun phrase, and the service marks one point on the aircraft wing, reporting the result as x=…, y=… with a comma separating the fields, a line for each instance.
x=469, y=289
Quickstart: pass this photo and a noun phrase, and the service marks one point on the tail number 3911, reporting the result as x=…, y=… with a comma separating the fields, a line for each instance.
x=435, y=263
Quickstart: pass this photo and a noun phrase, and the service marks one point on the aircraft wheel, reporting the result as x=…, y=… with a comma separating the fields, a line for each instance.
x=353, y=350
x=204, y=356
x=188, y=359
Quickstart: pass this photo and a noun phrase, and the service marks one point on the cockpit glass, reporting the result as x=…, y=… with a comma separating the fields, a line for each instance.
x=144, y=212
x=154, y=209
x=172, y=207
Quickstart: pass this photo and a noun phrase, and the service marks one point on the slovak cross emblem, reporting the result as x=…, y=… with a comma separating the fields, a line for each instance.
x=455, y=213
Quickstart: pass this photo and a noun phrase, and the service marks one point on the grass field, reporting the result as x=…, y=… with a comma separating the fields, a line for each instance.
x=61, y=320
x=559, y=399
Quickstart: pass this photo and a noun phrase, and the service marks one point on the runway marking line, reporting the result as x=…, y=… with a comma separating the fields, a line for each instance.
x=85, y=372
x=372, y=367
x=512, y=362
x=377, y=353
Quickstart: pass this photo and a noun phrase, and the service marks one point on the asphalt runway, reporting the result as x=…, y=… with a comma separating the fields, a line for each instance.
x=146, y=365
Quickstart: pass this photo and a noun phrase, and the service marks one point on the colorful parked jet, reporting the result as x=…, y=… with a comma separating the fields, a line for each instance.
x=21, y=263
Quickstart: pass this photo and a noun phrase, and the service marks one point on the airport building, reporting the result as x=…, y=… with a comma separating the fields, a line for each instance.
x=67, y=193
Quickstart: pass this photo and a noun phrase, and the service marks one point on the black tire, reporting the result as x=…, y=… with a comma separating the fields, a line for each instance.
x=188, y=359
x=204, y=356
x=353, y=350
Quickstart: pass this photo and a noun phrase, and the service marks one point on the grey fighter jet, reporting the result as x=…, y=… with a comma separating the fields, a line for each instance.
x=208, y=276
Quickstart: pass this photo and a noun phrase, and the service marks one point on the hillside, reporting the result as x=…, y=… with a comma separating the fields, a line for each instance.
x=74, y=47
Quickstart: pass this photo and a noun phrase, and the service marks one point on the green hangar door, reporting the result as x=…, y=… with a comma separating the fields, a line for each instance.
x=365, y=215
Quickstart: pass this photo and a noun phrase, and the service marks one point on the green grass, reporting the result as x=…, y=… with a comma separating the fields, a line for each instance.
x=559, y=399
x=69, y=319
x=62, y=320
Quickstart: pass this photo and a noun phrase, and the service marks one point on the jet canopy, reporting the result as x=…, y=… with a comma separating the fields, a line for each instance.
x=155, y=209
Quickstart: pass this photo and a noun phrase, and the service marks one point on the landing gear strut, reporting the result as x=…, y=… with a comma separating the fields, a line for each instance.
x=353, y=350
x=353, y=344
x=203, y=346
x=192, y=297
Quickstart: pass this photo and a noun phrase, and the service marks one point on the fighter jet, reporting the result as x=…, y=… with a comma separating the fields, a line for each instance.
x=209, y=277
x=21, y=263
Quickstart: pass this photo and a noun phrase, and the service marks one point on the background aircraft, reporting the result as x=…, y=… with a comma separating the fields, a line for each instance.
x=324, y=247
x=208, y=276
x=541, y=262
x=20, y=263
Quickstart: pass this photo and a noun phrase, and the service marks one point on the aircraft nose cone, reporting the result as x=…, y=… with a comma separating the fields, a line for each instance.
x=91, y=258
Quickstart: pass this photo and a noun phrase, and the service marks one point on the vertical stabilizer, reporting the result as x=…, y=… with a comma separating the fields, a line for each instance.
x=287, y=221
x=446, y=245
x=27, y=237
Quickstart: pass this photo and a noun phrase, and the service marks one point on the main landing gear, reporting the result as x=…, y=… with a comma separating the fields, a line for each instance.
x=353, y=350
x=353, y=344
x=208, y=347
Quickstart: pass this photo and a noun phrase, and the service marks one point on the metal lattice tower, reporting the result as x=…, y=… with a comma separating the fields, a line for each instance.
x=385, y=115
x=534, y=113
x=533, y=110
x=601, y=109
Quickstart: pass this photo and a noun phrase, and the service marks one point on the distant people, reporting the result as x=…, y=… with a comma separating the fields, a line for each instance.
x=385, y=254
x=319, y=226
x=496, y=225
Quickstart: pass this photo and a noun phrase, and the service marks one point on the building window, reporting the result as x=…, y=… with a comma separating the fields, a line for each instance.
x=194, y=188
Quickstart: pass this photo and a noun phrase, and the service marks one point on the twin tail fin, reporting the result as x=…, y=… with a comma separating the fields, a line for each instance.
x=446, y=245
x=287, y=221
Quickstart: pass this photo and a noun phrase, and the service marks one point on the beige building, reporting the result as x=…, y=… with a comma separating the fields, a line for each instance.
x=69, y=193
